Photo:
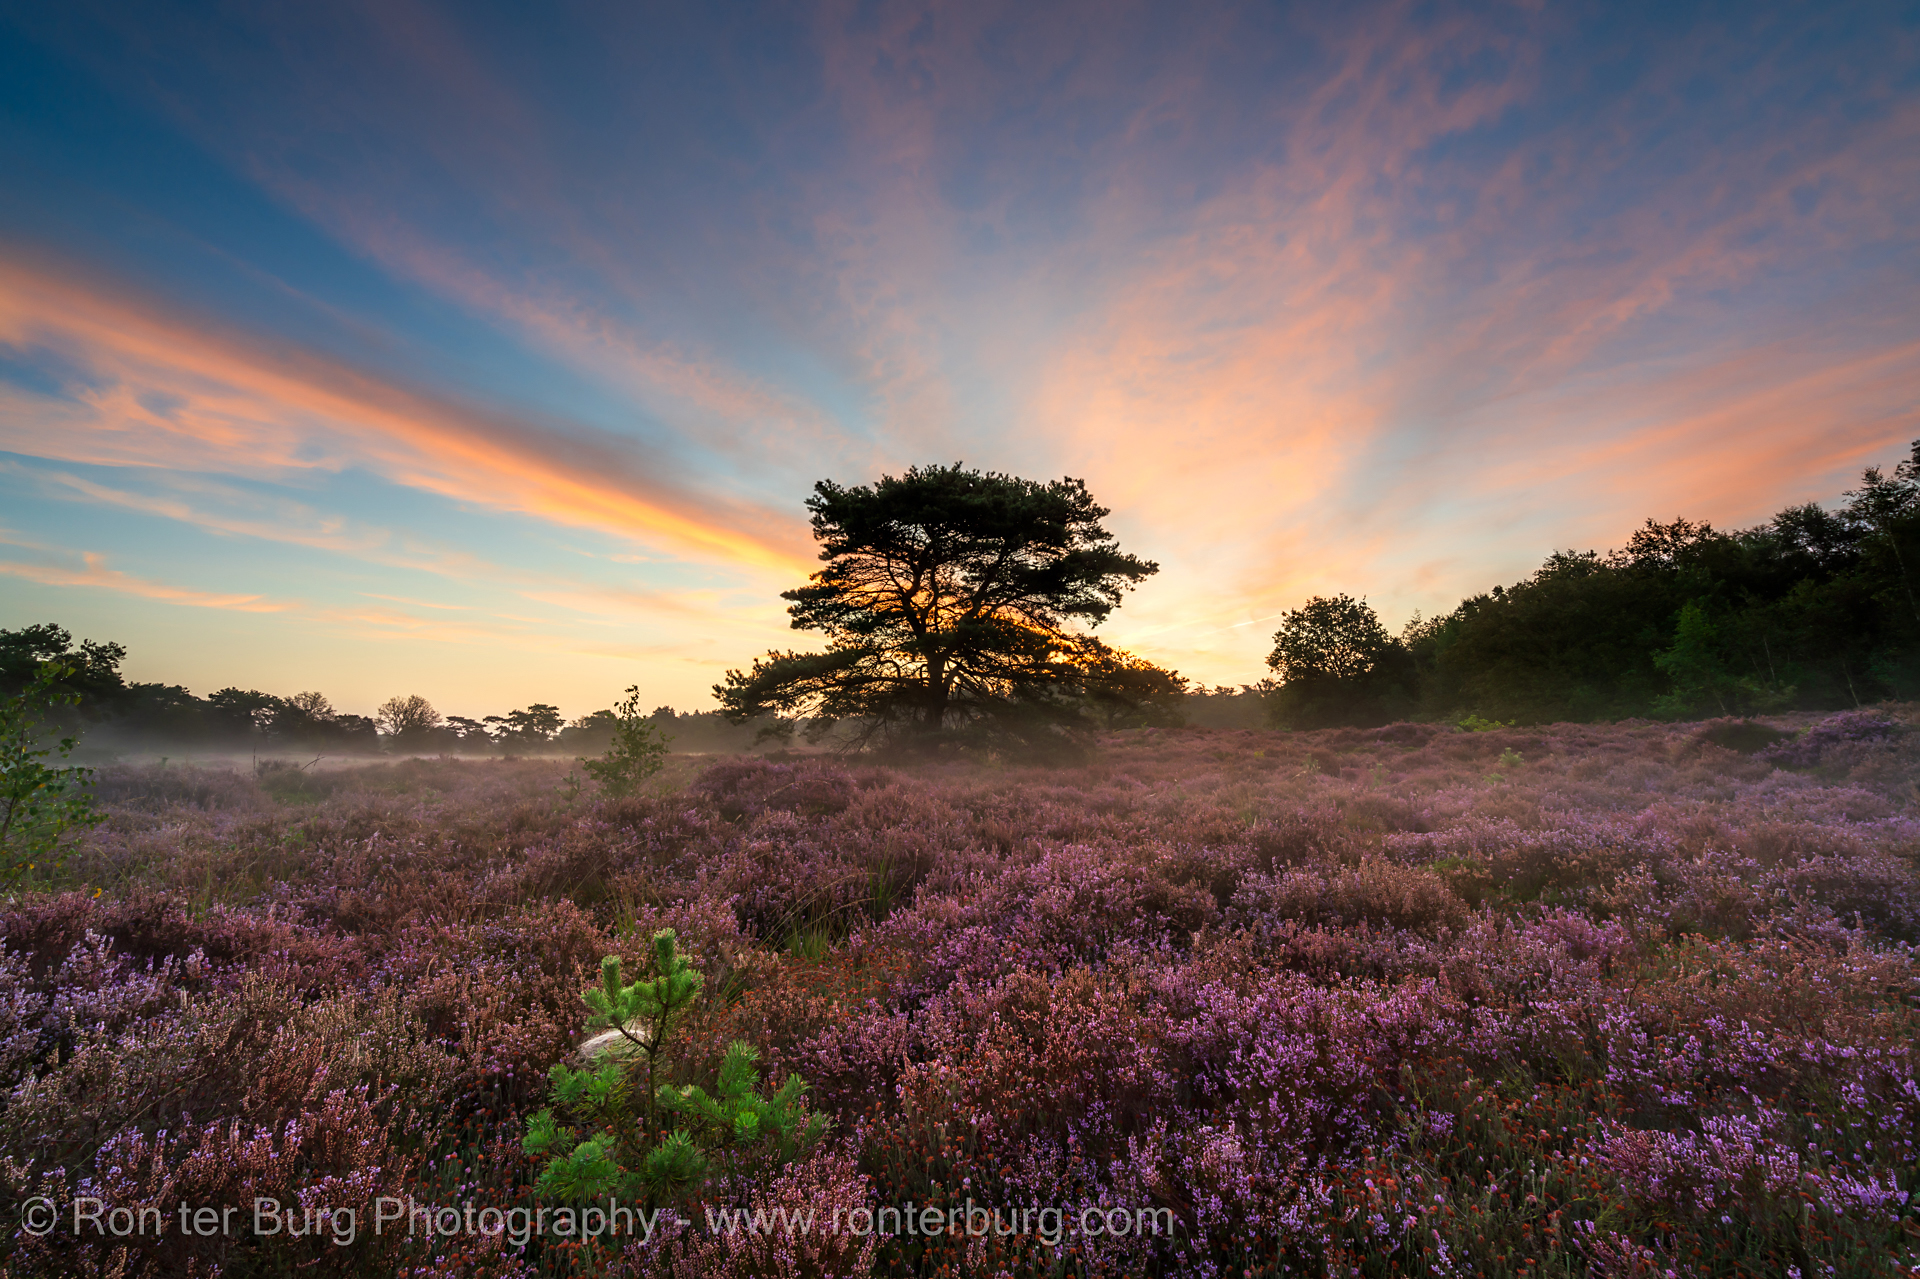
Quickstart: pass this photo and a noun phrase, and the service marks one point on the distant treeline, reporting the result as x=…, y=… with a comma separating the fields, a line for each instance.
x=1815, y=610
x=114, y=713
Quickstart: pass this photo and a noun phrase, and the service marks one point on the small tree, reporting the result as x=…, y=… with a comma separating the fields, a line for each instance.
x=639, y=749
x=36, y=809
x=631, y=1134
x=1696, y=665
x=1336, y=664
x=409, y=721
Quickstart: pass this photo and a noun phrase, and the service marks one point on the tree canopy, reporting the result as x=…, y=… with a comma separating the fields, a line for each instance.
x=1336, y=664
x=407, y=719
x=89, y=672
x=951, y=599
x=1815, y=609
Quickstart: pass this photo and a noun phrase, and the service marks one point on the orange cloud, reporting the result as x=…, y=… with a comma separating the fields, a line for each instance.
x=171, y=392
x=95, y=573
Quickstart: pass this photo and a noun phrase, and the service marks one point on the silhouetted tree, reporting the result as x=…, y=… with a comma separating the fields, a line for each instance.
x=165, y=711
x=592, y=734
x=1816, y=609
x=948, y=600
x=1890, y=507
x=1130, y=692
x=355, y=733
x=467, y=734
x=1247, y=706
x=89, y=672
x=410, y=722
x=528, y=729
x=1336, y=664
x=243, y=712
x=303, y=719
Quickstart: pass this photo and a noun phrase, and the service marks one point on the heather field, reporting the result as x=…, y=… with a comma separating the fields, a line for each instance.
x=1632, y=999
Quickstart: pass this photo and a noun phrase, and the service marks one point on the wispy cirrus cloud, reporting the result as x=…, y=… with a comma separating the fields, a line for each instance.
x=225, y=509
x=480, y=628
x=175, y=392
x=705, y=408
x=56, y=566
x=211, y=506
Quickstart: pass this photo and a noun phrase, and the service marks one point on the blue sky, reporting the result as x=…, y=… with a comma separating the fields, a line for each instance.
x=489, y=353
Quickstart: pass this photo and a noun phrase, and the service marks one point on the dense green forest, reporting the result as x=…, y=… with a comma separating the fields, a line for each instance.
x=1814, y=610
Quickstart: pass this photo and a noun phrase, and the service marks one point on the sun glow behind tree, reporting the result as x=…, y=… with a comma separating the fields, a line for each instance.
x=951, y=600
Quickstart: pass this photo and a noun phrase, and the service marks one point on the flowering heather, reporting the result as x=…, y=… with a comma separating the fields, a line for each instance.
x=1613, y=1000
x=1849, y=733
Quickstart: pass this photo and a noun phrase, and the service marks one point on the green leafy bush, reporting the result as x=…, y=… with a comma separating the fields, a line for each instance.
x=639, y=749
x=36, y=809
x=1475, y=724
x=635, y=1137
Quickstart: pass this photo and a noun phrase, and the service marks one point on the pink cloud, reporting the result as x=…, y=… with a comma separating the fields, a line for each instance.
x=246, y=408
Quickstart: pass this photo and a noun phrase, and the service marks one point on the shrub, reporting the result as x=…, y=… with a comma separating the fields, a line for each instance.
x=745, y=787
x=1473, y=723
x=289, y=782
x=162, y=786
x=638, y=752
x=1184, y=977
x=37, y=812
x=1832, y=734
x=1377, y=893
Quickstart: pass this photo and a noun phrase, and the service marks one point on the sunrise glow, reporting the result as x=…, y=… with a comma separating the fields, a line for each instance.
x=425, y=348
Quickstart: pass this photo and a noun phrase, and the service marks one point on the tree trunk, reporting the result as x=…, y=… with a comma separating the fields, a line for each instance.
x=935, y=715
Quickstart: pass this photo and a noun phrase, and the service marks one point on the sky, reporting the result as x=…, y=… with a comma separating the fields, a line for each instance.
x=490, y=351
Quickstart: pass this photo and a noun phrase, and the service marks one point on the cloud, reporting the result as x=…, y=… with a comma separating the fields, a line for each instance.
x=173, y=391
x=229, y=511
x=53, y=566
x=484, y=627
x=275, y=518
x=706, y=406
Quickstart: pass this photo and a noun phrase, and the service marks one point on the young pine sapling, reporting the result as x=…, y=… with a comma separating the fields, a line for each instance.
x=639, y=750
x=633, y=1136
